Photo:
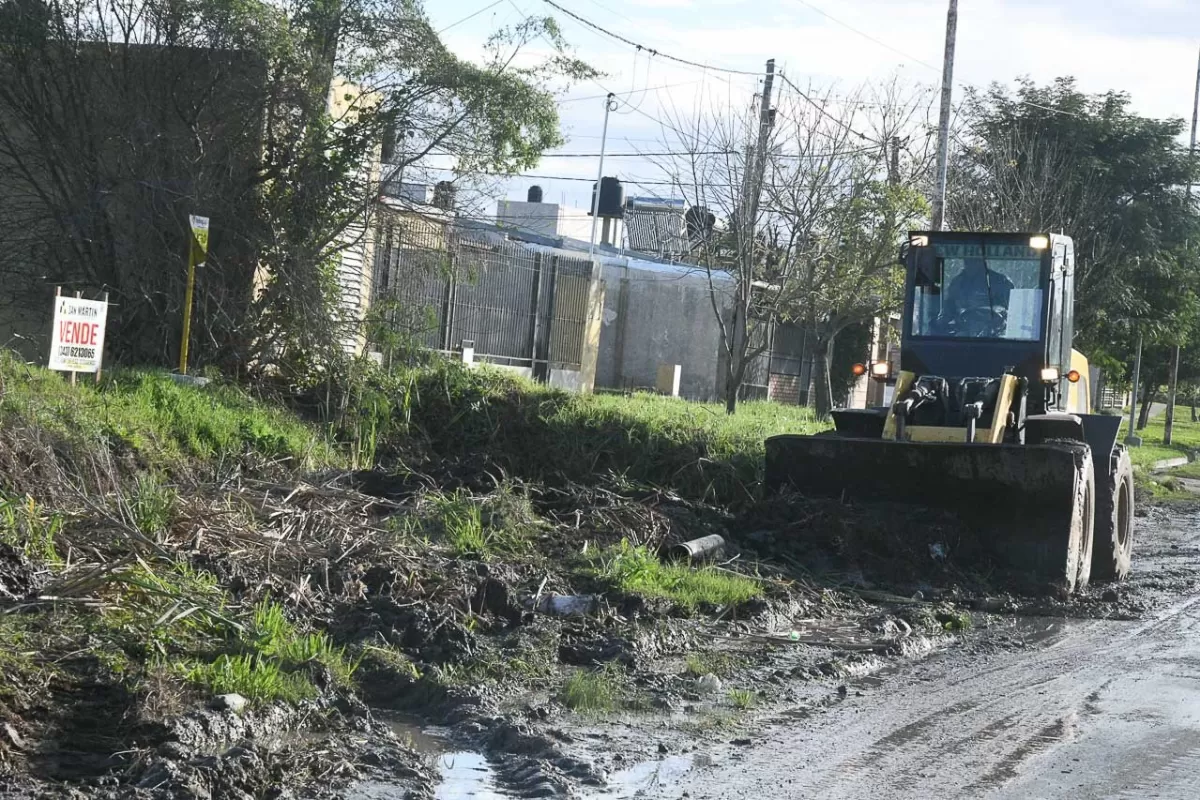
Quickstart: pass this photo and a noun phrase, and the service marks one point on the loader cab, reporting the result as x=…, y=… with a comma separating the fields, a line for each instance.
x=980, y=305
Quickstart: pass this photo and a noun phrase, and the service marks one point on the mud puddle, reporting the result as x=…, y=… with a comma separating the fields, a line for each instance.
x=641, y=778
x=459, y=774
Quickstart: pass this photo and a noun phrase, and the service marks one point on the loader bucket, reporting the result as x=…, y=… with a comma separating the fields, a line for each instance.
x=1026, y=510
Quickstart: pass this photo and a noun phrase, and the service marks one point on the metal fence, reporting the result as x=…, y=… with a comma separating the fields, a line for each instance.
x=439, y=287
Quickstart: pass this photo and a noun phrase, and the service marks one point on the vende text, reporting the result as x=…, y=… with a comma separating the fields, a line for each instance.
x=78, y=332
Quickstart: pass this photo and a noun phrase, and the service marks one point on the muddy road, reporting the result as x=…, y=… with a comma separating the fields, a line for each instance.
x=1083, y=708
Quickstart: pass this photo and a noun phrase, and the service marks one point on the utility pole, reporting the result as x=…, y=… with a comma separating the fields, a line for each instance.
x=1173, y=377
x=756, y=165
x=939, y=199
x=1131, y=438
x=610, y=105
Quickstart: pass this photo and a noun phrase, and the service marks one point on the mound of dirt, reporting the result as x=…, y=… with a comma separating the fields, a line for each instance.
x=18, y=577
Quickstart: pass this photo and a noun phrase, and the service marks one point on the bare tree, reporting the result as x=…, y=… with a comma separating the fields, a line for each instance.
x=847, y=199
x=820, y=247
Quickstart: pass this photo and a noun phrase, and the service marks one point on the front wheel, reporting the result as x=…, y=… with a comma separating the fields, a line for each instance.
x=1112, y=551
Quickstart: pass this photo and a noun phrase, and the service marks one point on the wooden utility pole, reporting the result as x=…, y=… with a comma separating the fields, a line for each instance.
x=1173, y=377
x=756, y=165
x=939, y=199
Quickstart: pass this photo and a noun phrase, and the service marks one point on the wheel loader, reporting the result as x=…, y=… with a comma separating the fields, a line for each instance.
x=990, y=416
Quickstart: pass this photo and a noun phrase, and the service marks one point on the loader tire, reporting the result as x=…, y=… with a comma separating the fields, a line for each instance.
x=1072, y=552
x=1087, y=528
x=1113, y=548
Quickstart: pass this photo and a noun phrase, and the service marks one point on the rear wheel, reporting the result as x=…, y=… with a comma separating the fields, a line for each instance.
x=1113, y=549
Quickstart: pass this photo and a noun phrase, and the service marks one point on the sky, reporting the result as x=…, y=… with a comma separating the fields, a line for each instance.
x=1147, y=48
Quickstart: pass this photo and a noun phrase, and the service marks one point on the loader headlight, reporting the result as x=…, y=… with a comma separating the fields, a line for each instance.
x=880, y=370
x=1049, y=374
x=1073, y=376
x=1039, y=242
x=919, y=241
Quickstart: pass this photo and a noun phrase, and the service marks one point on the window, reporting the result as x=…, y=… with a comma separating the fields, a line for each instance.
x=968, y=292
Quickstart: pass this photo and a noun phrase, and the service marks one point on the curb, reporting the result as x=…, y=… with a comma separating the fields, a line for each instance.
x=1170, y=463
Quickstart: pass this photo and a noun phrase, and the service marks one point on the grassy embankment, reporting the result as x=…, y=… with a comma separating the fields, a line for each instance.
x=1185, y=442
x=132, y=554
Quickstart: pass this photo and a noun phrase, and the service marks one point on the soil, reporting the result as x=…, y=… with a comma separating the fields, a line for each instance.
x=475, y=653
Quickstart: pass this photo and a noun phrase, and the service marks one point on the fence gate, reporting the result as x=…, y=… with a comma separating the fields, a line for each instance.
x=520, y=307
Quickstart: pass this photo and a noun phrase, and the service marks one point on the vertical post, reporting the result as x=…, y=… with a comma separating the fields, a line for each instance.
x=610, y=104
x=187, y=308
x=197, y=251
x=535, y=312
x=589, y=354
x=1172, y=383
x=939, y=199
x=1132, y=438
x=756, y=165
x=74, y=374
x=1195, y=116
x=57, y=293
x=105, y=299
x=1173, y=376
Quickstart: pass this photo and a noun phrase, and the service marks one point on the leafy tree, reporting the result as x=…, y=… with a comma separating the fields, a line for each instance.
x=1052, y=158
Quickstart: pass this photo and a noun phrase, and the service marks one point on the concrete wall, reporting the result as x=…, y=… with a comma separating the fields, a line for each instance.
x=546, y=219
x=541, y=218
x=652, y=317
x=104, y=151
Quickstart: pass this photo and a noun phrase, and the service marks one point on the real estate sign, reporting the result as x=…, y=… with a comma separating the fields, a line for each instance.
x=78, y=341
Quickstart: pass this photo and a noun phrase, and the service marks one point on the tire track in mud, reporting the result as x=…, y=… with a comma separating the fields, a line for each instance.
x=1101, y=709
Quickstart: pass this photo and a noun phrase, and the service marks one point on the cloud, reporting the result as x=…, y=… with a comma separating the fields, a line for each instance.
x=1143, y=47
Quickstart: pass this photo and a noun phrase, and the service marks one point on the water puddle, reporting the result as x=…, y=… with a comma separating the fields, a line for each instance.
x=464, y=775
x=632, y=782
x=426, y=740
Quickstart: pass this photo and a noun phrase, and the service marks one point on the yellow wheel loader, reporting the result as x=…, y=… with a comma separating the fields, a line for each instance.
x=990, y=416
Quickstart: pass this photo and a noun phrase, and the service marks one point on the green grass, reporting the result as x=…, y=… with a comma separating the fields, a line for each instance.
x=743, y=698
x=29, y=527
x=591, y=691
x=1185, y=438
x=258, y=679
x=163, y=422
x=180, y=619
x=477, y=528
x=719, y=664
x=152, y=504
x=636, y=570
x=269, y=661
x=542, y=434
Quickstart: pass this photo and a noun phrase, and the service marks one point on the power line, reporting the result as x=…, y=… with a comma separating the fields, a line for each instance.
x=633, y=91
x=821, y=108
x=652, y=51
x=916, y=60
x=867, y=36
x=470, y=17
x=665, y=153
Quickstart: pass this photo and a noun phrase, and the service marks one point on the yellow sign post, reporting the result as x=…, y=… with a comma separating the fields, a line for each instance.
x=197, y=250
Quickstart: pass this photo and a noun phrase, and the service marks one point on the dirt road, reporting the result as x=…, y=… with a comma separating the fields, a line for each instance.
x=1089, y=709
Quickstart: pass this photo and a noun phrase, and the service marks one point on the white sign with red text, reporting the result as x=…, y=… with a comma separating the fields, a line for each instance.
x=78, y=341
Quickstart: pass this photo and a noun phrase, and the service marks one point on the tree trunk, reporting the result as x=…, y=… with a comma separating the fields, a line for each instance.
x=735, y=372
x=823, y=387
x=1195, y=389
x=1144, y=412
x=1172, y=385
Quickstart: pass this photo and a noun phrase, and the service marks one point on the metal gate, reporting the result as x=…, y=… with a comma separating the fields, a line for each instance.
x=520, y=307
